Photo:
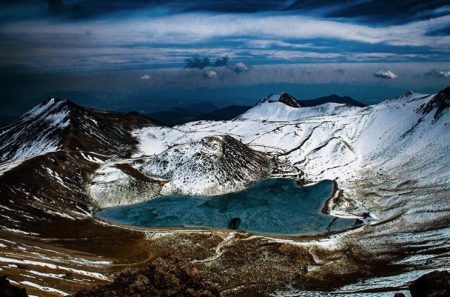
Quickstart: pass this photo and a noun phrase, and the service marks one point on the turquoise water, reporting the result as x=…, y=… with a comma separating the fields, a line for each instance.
x=274, y=206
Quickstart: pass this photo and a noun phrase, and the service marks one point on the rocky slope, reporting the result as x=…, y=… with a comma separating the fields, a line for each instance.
x=56, y=125
x=114, y=184
x=165, y=277
x=210, y=166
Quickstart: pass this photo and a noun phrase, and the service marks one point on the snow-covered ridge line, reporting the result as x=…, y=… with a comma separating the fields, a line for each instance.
x=330, y=141
x=56, y=125
x=36, y=132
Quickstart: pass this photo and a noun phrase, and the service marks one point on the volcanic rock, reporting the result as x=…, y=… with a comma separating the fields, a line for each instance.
x=9, y=290
x=434, y=284
x=165, y=277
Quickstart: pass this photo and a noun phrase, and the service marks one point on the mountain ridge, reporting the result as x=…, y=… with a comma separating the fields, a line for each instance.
x=60, y=124
x=179, y=116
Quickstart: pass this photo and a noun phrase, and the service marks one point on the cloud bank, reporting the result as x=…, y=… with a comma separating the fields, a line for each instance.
x=142, y=35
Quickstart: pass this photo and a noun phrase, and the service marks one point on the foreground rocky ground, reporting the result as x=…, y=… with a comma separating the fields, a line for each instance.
x=172, y=277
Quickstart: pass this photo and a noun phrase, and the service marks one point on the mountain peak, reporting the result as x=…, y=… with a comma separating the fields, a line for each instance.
x=59, y=124
x=38, y=131
x=53, y=100
x=284, y=98
x=49, y=105
x=289, y=100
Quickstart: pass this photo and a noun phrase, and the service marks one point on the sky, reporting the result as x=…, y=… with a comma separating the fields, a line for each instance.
x=147, y=55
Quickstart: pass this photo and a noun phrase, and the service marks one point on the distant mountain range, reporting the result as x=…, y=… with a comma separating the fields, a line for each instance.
x=179, y=115
x=207, y=111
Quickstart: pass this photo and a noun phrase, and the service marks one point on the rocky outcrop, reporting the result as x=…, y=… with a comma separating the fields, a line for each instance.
x=440, y=102
x=9, y=290
x=433, y=284
x=289, y=100
x=165, y=277
x=284, y=98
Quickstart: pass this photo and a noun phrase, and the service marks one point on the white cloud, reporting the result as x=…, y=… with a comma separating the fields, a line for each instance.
x=241, y=67
x=145, y=77
x=190, y=27
x=210, y=73
x=386, y=74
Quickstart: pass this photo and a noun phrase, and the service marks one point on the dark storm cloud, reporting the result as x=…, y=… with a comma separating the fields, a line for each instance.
x=55, y=6
x=379, y=10
x=90, y=9
x=204, y=62
x=384, y=11
x=222, y=63
x=12, y=10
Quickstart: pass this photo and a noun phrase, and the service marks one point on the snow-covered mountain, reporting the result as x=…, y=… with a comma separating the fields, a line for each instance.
x=209, y=166
x=48, y=156
x=37, y=132
x=335, y=141
x=330, y=141
x=390, y=162
x=59, y=124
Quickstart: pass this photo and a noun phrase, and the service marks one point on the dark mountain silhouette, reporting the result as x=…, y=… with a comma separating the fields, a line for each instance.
x=224, y=114
x=180, y=115
x=331, y=99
